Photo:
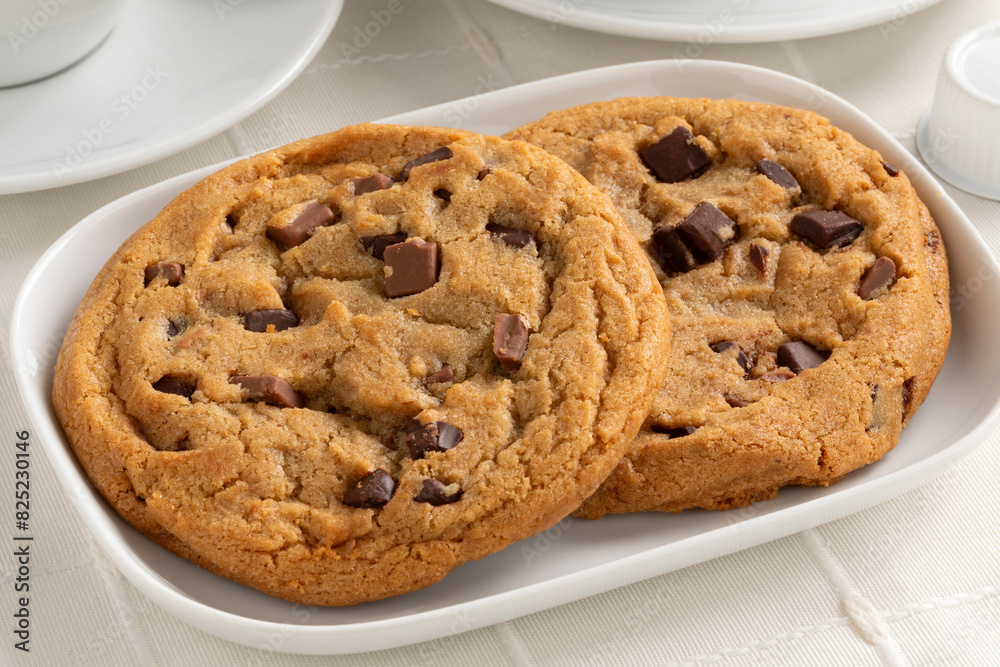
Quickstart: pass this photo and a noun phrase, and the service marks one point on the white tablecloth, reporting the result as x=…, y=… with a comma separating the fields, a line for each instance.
x=913, y=581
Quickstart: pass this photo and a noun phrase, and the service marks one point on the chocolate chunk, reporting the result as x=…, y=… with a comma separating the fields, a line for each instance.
x=669, y=250
x=173, y=328
x=172, y=272
x=433, y=437
x=443, y=194
x=673, y=432
x=371, y=491
x=414, y=267
x=175, y=384
x=299, y=230
x=827, y=229
x=435, y=493
x=269, y=389
x=259, y=320
x=799, y=355
x=777, y=376
x=483, y=173
x=510, y=340
x=446, y=374
x=511, y=235
x=232, y=220
x=362, y=185
x=741, y=358
x=433, y=156
x=890, y=168
x=758, y=257
x=736, y=401
x=879, y=275
x=376, y=245
x=707, y=232
x=676, y=157
x=778, y=174
x=908, y=386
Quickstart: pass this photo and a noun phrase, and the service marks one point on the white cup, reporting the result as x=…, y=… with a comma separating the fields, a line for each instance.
x=959, y=138
x=42, y=37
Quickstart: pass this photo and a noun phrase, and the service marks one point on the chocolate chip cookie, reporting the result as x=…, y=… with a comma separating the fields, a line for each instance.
x=807, y=286
x=339, y=369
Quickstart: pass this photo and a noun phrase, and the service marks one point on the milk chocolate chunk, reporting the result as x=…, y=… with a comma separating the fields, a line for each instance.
x=676, y=157
x=434, y=492
x=376, y=245
x=174, y=328
x=414, y=267
x=371, y=491
x=483, y=173
x=827, y=229
x=707, y=232
x=434, y=156
x=260, y=320
x=675, y=431
x=172, y=272
x=879, y=275
x=778, y=174
x=908, y=386
x=511, y=235
x=298, y=231
x=441, y=193
x=669, y=251
x=362, y=185
x=758, y=257
x=736, y=401
x=510, y=340
x=433, y=437
x=175, y=384
x=799, y=355
x=741, y=358
x=890, y=168
x=446, y=374
x=269, y=389
x=780, y=375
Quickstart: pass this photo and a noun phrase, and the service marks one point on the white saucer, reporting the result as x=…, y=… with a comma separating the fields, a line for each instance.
x=702, y=22
x=170, y=75
x=575, y=558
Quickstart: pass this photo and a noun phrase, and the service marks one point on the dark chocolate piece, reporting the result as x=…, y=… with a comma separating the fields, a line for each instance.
x=172, y=272
x=881, y=274
x=269, y=389
x=441, y=193
x=174, y=328
x=446, y=374
x=371, y=491
x=799, y=355
x=259, y=320
x=232, y=220
x=673, y=432
x=890, y=168
x=511, y=235
x=362, y=185
x=741, y=358
x=376, y=245
x=175, y=384
x=483, y=173
x=299, y=230
x=670, y=252
x=433, y=492
x=414, y=265
x=827, y=229
x=758, y=257
x=510, y=340
x=433, y=437
x=434, y=156
x=908, y=385
x=736, y=401
x=707, y=232
x=778, y=174
x=676, y=157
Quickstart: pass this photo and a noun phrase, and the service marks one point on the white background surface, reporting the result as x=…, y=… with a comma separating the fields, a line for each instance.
x=914, y=581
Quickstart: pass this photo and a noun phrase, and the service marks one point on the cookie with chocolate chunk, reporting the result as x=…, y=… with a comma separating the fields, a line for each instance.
x=339, y=369
x=807, y=285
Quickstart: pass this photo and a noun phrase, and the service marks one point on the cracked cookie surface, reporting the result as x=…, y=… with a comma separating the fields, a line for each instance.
x=807, y=286
x=339, y=369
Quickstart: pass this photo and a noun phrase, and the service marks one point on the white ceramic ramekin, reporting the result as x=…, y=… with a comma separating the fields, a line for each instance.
x=959, y=137
x=42, y=37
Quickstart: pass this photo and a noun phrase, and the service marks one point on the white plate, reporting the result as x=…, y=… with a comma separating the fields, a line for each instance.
x=702, y=22
x=170, y=75
x=575, y=558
